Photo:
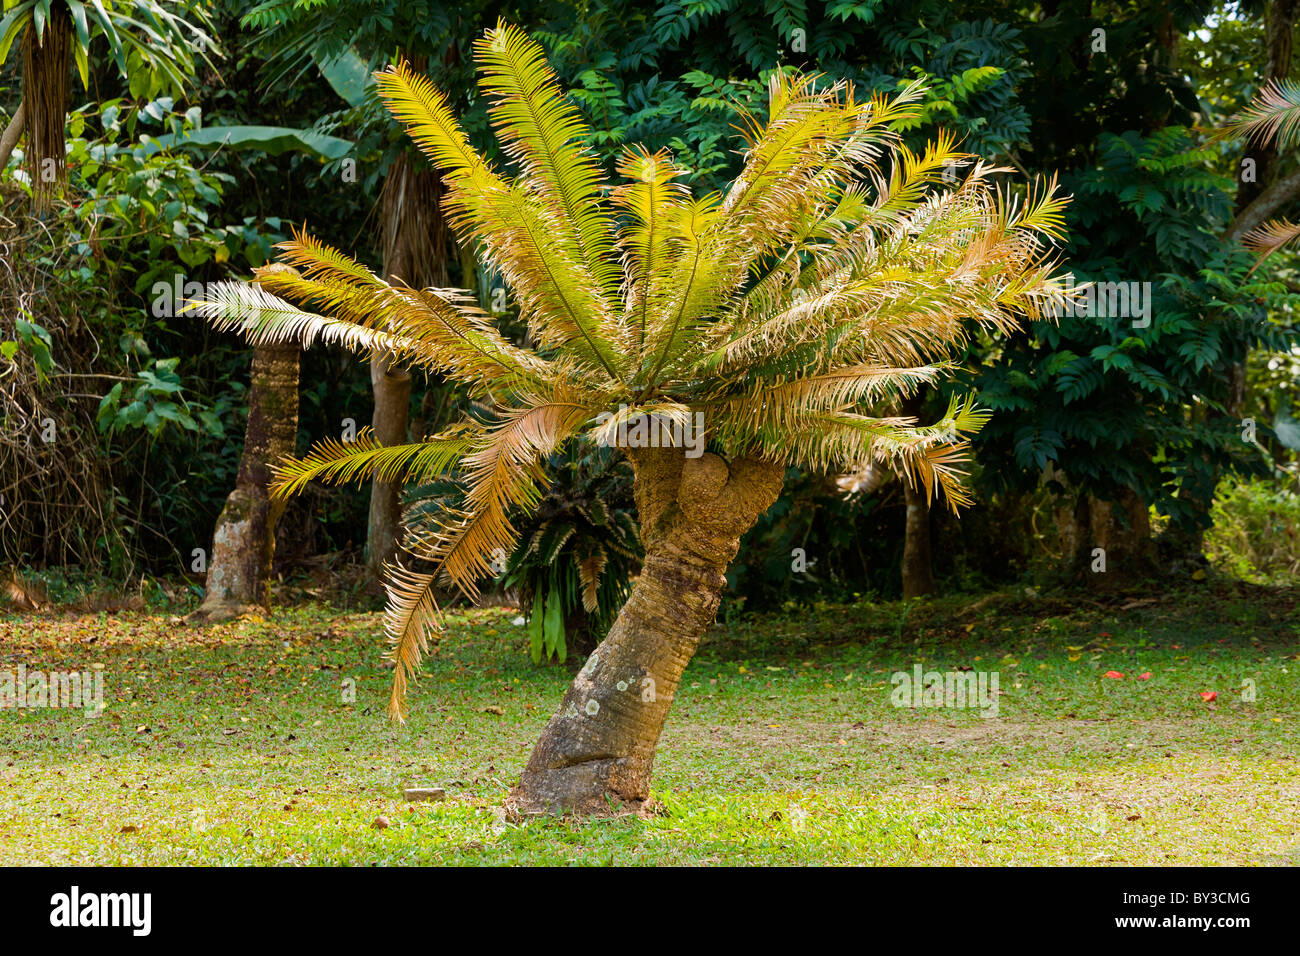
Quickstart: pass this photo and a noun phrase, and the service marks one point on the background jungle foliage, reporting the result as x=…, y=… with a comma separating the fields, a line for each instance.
x=194, y=178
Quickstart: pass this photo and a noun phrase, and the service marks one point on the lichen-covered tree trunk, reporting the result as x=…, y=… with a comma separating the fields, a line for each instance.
x=243, y=543
x=414, y=242
x=598, y=750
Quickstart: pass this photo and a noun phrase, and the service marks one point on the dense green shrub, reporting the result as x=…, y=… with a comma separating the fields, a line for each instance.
x=1256, y=533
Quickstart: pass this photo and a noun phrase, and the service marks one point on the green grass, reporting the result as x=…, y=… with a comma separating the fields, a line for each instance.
x=234, y=745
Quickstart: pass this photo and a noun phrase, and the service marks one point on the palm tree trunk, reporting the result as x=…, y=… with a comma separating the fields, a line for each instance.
x=415, y=252
x=46, y=64
x=243, y=543
x=391, y=388
x=598, y=750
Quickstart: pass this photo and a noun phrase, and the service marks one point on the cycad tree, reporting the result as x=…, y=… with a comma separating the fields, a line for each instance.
x=838, y=270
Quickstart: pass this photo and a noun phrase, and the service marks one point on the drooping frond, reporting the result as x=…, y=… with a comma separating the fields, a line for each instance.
x=442, y=330
x=411, y=623
x=933, y=455
x=503, y=470
x=1274, y=113
x=265, y=319
x=1268, y=237
x=774, y=404
x=364, y=458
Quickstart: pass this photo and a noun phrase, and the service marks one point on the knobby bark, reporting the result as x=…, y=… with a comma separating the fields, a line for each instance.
x=598, y=751
x=243, y=544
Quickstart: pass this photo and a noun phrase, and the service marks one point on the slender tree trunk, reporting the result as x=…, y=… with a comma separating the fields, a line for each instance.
x=598, y=750
x=391, y=386
x=9, y=138
x=243, y=544
x=415, y=252
x=918, y=570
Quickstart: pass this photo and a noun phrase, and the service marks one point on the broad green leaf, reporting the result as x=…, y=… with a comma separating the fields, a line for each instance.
x=271, y=139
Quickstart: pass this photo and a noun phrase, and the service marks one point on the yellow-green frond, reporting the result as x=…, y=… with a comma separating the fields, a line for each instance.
x=340, y=462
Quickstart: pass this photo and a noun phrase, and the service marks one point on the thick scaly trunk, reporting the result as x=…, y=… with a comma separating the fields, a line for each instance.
x=243, y=544
x=598, y=751
x=415, y=252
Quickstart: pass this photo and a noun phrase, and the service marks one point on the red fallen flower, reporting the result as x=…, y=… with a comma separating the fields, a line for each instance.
x=1146, y=675
x=1104, y=634
x=1113, y=675
x=1209, y=695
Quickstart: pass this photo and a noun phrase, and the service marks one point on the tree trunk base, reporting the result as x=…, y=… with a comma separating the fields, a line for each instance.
x=595, y=756
x=595, y=787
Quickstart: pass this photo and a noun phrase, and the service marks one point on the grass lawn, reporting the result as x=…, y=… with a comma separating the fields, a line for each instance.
x=235, y=744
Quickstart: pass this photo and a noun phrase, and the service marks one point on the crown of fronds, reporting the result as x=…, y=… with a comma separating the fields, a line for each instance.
x=838, y=268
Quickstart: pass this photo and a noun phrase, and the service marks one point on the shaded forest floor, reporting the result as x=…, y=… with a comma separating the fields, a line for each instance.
x=235, y=744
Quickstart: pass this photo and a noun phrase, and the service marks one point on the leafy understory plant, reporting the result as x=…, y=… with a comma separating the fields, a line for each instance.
x=837, y=271
x=577, y=553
